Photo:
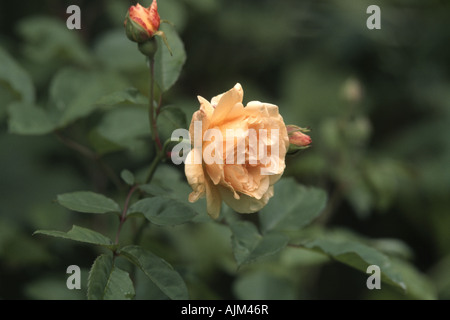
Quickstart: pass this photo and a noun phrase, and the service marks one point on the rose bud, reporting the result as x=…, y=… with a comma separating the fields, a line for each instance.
x=297, y=139
x=141, y=23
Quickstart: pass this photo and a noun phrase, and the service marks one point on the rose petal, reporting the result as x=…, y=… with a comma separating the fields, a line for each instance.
x=213, y=199
x=195, y=176
x=226, y=103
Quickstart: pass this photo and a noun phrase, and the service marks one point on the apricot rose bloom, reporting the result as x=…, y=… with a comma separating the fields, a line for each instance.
x=241, y=185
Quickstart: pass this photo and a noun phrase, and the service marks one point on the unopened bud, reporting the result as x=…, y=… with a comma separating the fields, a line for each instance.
x=141, y=23
x=298, y=140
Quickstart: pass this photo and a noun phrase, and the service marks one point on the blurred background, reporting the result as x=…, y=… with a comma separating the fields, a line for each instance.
x=377, y=103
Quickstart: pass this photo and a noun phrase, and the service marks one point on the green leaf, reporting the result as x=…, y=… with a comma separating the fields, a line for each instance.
x=101, y=144
x=154, y=190
x=171, y=179
x=52, y=288
x=80, y=234
x=15, y=78
x=263, y=285
x=130, y=95
x=158, y=270
x=107, y=282
x=358, y=256
x=418, y=285
x=169, y=119
x=250, y=245
x=75, y=93
x=28, y=119
x=48, y=40
x=87, y=201
x=164, y=211
x=292, y=207
x=114, y=50
x=126, y=126
x=168, y=67
x=127, y=176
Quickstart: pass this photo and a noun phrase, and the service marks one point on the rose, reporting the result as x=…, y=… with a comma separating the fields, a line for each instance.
x=141, y=23
x=297, y=139
x=246, y=187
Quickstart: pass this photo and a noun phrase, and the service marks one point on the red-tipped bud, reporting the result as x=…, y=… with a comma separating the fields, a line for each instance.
x=141, y=23
x=297, y=138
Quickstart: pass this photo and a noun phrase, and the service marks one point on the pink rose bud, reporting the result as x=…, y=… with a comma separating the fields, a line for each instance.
x=141, y=23
x=297, y=139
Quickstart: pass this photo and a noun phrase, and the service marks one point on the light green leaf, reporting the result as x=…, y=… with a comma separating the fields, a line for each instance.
x=418, y=285
x=158, y=270
x=130, y=95
x=164, y=211
x=87, y=201
x=47, y=40
x=127, y=176
x=107, y=282
x=101, y=144
x=28, y=119
x=126, y=126
x=168, y=67
x=75, y=93
x=154, y=190
x=292, y=207
x=80, y=234
x=170, y=119
x=15, y=78
x=115, y=51
x=358, y=256
x=250, y=245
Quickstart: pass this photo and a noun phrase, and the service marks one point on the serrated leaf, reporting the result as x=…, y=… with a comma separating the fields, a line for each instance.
x=249, y=244
x=158, y=270
x=292, y=207
x=80, y=234
x=168, y=67
x=164, y=211
x=28, y=119
x=358, y=256
x=88, y=202
x=107, y=282
x=127, y=176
